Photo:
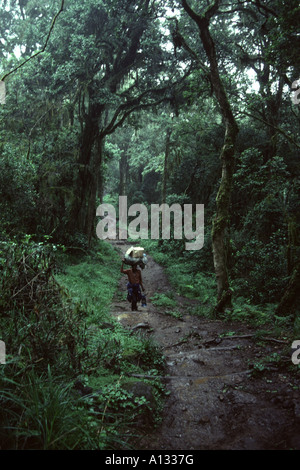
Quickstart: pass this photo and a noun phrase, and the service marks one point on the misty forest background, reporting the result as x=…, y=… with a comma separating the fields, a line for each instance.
x=161, y=101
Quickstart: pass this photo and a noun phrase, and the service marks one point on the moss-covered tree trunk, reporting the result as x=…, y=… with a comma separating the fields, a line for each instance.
x=84, y=170
x=221, y=219
x=95, y=170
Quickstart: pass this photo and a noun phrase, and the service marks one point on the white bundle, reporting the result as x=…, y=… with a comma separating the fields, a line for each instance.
x=136, y=255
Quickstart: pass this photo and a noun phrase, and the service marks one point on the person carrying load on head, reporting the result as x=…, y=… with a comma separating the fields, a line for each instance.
x=134, y=285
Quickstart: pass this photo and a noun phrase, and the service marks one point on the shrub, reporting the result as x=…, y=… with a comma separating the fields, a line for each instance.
x=39, y=411
x=37, y=314
x=54, y=343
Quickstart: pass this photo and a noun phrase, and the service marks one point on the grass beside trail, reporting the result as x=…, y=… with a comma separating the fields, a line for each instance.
x=92, y=278
x=66, y=383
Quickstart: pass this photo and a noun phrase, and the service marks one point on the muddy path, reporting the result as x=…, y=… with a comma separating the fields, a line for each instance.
x=215, y=400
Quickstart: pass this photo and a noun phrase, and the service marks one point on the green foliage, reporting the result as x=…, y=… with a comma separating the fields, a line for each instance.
x=297, y=327
x=259, y=235
x=39, y=411
x=18, y=197
x=105, y=59
x=163, y=300
x=262, y=265
x=52, y=328
x=174, y=313
x=190, y=283
x=271, y=361
x=244, y=311
x=37, y=314
x=81, y=274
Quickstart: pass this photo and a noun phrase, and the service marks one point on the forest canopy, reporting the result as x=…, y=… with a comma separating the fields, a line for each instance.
x=175, y=102
x=188, y=102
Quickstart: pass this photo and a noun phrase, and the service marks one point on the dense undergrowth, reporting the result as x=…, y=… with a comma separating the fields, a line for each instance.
x=65, y=383
x=68, y=378
x=190, y=280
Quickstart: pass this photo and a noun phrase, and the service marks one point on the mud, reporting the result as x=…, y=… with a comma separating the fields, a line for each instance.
x=219, y=399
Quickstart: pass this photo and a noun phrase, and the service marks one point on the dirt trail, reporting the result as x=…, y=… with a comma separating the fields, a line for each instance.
x=215, y=402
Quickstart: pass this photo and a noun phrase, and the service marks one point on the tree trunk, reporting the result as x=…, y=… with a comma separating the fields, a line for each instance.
x=123, y=167
x=95, y=170
x=100, y=186
x=84, y=176
x=221, y=219
x=166, y=162
x=221, y=222
x=271, y=115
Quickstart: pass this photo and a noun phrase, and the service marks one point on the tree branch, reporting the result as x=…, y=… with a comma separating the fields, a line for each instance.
x=179, y=41
x=209, y=13
x=197, y=18
x=114, y=124
x=135, y=105
x=281, y=131
x=44, y=47
x=264, y=7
